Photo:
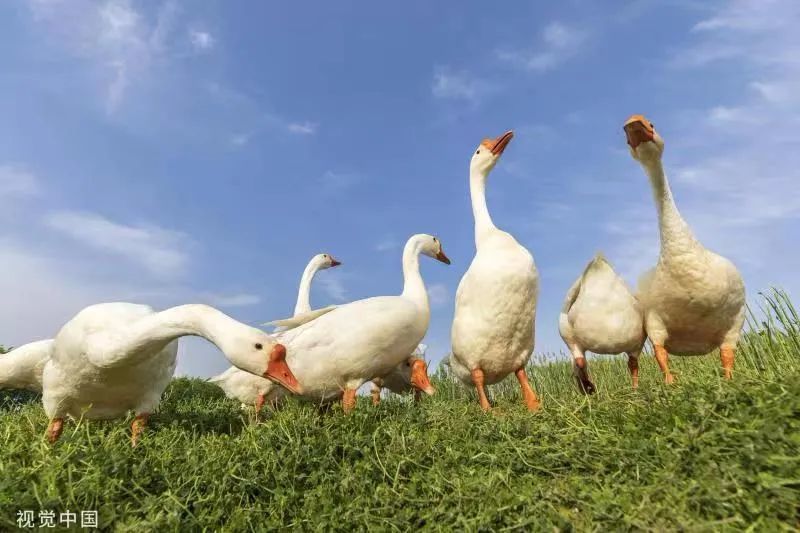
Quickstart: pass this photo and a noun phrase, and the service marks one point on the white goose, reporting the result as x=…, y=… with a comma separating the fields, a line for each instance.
x=694, y=299
x=601, y=315
x=334, y=354
x=411, y=374
x=115, y=357
x=255, y=390
x=22, y=367
x=495, y=311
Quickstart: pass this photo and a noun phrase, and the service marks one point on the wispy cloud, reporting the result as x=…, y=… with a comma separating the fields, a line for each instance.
x=120, y=44
x=333, y=287
x=438, y=294
x=334, y=182
x=201, y=40
x=557, y=43
x=240, y=139
x=303, y=128
x=232, y=300
x=458, y=85
x=160, y=251
x=16, y=180
x=387, y=244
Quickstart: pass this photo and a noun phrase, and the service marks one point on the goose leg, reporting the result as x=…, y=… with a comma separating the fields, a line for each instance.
x=137, y=427
x=579, y=366
x=349, y=400
x=477, y=379
x=726, y=355
x=662, y=358
x=527, y=392
x=376, y=393
x=54, y=430
x=633, y=368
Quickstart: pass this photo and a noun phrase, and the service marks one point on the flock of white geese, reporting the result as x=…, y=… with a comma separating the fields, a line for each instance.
x=112, y=358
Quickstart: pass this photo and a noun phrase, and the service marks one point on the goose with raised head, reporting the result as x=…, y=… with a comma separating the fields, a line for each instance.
x=256, y=390
x=411, y=374
x=334, y=354
x=694, y=299
x=22, y=367
x=495, y=310
x=601, y=315
x=116, y=357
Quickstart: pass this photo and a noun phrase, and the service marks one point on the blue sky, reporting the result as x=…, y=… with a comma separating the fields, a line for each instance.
x=171, y=152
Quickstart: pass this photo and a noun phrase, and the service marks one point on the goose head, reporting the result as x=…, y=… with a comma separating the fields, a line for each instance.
x=324, y=261
x=488, y=152
x=259, y=353
x=418, y=375
x=644, y=142
x=430, y=246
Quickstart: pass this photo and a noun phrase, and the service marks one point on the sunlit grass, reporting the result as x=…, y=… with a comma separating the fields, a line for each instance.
x=704, y=454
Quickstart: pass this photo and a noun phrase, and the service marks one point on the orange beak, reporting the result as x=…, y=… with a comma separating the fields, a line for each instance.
x=638, y=130
x=334, y=262
x=441, y=257
x=419, y=377
x=497, y=146
x=279, y=372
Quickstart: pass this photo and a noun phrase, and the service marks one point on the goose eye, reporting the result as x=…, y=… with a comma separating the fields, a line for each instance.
x=259, y=346
x=477, y=152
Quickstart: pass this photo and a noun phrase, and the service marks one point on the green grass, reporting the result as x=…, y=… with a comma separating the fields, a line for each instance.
x=702, y=455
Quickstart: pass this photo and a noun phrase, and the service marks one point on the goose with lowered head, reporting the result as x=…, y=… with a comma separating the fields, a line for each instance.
x=22, y=367
x=334, y=354
x=495, y=311
x=116, y=357
x=256, y=390
x=694, y=299
x=411, y=374
x=601, y=315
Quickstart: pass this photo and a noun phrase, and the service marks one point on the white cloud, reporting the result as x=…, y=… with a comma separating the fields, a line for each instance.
x=303, y=128
x=240, y=139
x=333, y=287
x=17, y=181
x=455, y=85
x=387, y=244
x=201, y=40
x=119, y=44
x=333, y=182
x=558, y=43
x=438, y=294
x=162, y=252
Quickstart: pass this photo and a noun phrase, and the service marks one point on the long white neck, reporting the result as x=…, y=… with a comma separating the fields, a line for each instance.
x=483, y=221
x=413, y=286
x=303, y=304
x=676, y=236
x=152, y=333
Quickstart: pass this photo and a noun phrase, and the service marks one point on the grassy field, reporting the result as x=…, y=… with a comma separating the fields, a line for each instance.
x=701, y=455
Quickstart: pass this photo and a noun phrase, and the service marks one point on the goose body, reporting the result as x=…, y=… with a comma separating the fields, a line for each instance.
x=334, y=354
x=693, y=299
x=250, y=389
x=22, y=367
x=495, y=310
x=600, y=314
x=116, y=357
